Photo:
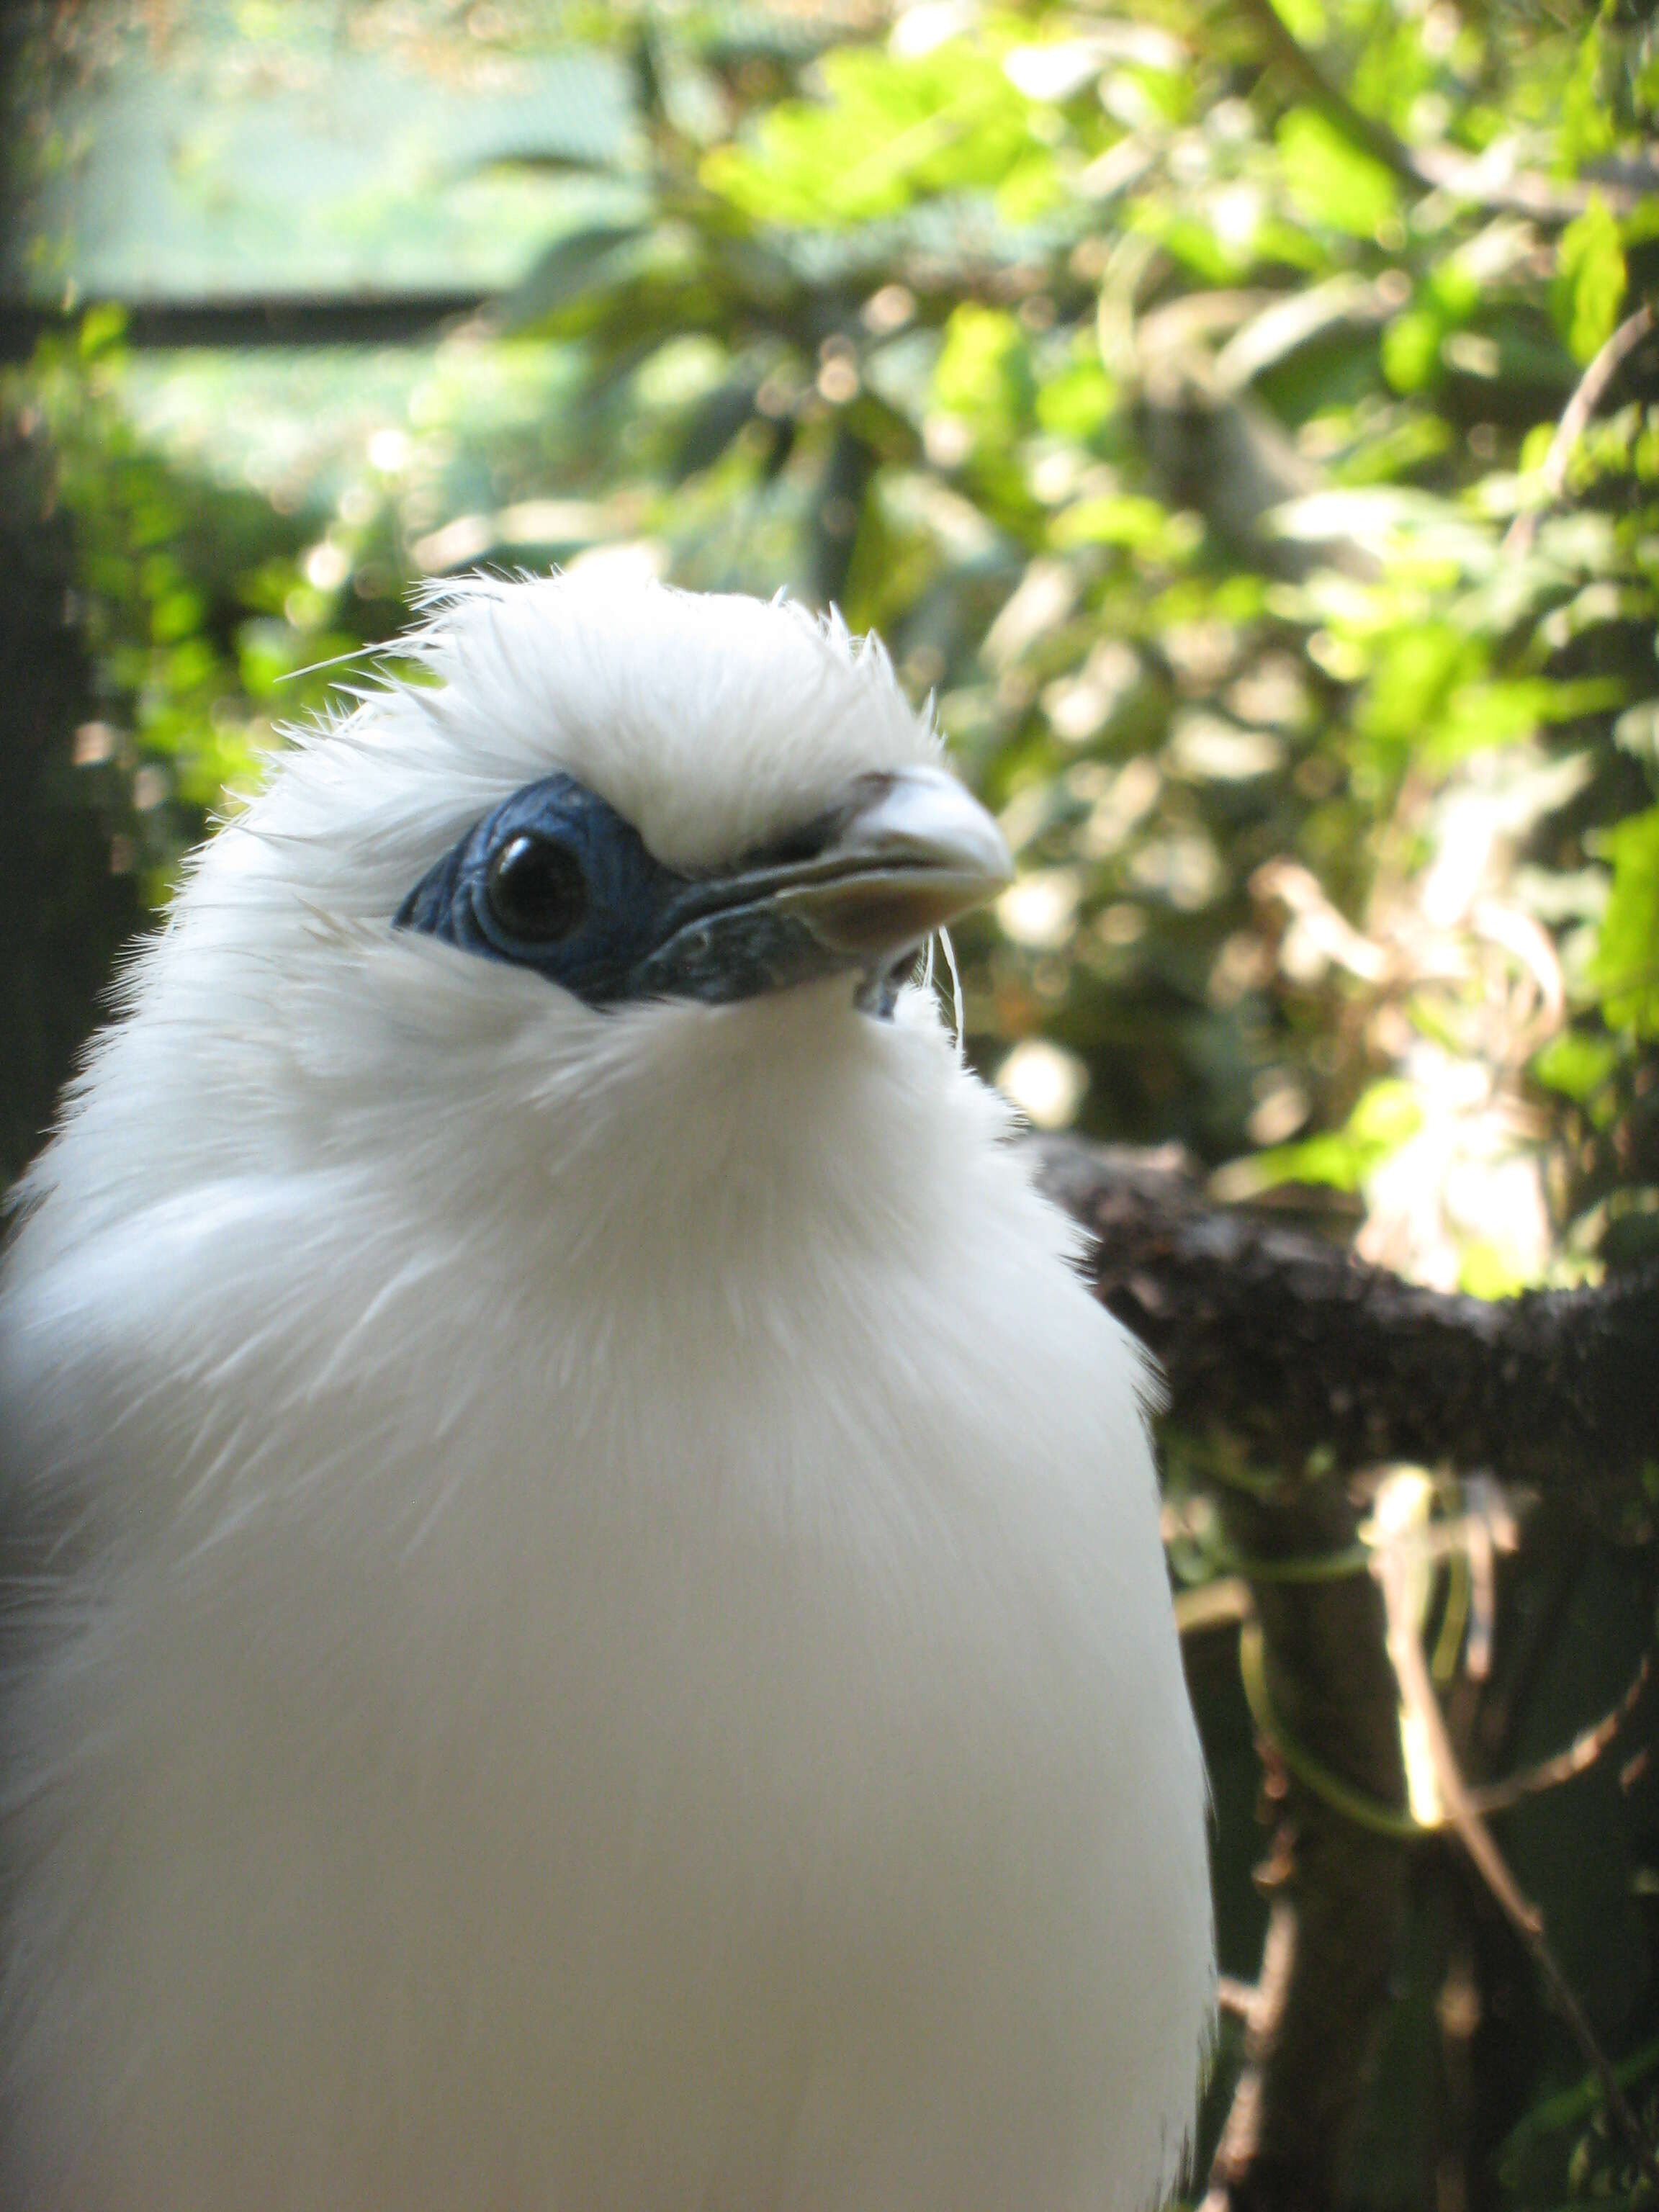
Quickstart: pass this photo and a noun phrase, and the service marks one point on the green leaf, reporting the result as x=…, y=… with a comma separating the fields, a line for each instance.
x=983, y=372
x=1575, y=1064
x=1411, y=348
x=1626, y=966
x=1416, y=671
x=1306, y=21
x=1076, y=403
x=1211, y=258
x=177, y=614
x=581, y=262
x=1388, y=1116
x=1501, y=712
x=894, y=128
x=103, y=331
x=1590, y=280
x=1126, y=519
x=1331, y=182
x=1484, y=1271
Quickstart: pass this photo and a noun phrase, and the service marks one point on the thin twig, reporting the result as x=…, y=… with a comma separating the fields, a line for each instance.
x=1239, y=1999
x=1592, y=389
x=1488, y=1521
x=1362, y=1807
x=1582, y=1754
x=1221, y=1604
x=1417, y=1694
x=1369, y=1812
x=1266, y=2004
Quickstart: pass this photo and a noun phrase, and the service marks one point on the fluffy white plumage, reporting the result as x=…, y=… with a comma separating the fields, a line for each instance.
x=600, y=1639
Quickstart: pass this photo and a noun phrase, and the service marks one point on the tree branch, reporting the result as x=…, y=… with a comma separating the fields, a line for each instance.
x=1304, y=1355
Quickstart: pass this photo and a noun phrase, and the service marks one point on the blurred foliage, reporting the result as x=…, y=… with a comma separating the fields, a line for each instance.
x=1233, y=417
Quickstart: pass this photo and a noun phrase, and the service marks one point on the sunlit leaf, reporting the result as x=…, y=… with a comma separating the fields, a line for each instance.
x=1076, y=401
x=1590, y=280
x=982, y=374
x=1626, y=968
x=1499, y=712
x=891, y=128
x=1332, y=181
x=1122, y=519
x=1388, y=1115
x=1576, y=1064
x=1411, y=348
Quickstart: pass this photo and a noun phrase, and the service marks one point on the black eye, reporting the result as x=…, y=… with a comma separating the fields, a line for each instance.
x=537, y=893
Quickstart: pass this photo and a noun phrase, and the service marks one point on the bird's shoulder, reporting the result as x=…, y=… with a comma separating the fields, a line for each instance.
x=112, y=1304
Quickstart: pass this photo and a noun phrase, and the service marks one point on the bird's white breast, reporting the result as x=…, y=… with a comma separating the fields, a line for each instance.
x=678, y=1709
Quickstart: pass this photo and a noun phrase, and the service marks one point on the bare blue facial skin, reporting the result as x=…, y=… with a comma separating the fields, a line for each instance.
x=555, y=879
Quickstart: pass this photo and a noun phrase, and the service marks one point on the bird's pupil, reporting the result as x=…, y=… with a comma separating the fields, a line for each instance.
x=536, y=892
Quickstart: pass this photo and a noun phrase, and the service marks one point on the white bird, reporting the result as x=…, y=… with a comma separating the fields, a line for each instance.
x=588, y=1630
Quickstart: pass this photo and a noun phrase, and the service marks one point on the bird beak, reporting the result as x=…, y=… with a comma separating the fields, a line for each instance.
x=905, y=853
x=862, y=887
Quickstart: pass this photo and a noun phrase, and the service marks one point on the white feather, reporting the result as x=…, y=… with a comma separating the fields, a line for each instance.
x=600, y=1634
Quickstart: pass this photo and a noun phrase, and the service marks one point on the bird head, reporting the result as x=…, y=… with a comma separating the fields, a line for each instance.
x=731, y=799
x=585, y=852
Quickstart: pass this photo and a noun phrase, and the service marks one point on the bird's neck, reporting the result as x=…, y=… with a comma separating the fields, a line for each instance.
x=715, y=1145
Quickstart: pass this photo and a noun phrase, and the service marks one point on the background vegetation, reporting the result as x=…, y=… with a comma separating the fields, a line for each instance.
x=1240, y=418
